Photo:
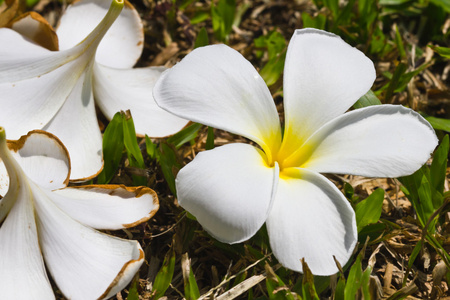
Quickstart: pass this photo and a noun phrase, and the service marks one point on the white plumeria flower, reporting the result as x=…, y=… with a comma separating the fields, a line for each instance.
x=43, y=220
x=234, y=189
x=54, y=90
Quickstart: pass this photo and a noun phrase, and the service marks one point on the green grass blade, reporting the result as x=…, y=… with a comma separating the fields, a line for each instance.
x=165, y=275
x=368, y=211
x=112, y=148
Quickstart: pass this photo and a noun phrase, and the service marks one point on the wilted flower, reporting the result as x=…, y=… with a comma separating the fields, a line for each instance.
x=45, y=221
x=54, y=90
x=234, y=189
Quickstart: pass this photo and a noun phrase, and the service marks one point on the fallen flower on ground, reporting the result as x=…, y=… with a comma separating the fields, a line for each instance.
x=234, y=189
x=46, y=225
x=99, y=42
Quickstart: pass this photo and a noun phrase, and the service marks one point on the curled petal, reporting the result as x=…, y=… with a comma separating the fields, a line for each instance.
x=122, y=89
x=126, y=35
x=119, y=206
x=36, y=28
x=84, y=263
x=311, y=219
x=217, y=86
x=323, y=77
x=77, y=127
x=229, y=190
x=43, y=158
x=376, y=141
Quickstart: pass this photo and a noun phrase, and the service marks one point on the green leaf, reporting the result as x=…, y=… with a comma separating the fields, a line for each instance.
x=412, y=258
x=399, y=43
x=131, y=143
x=31, y=3
x=444, y=4
x=439, y=166
x=368, y=211
x=222, y=16
x=152, y=149
x=133, y=293
x=191, y=291
x=184, y=4
x=415, y=188
x=368, y=99
x=276, y=288
x=442, y=51
x=202, y=38
x=439, y=123
x=314, y=22
x=393, y=2
x=187, y=134
x=308, y=287
x=368, y=13
x=199, y=16
x=165, y=275
x=339, y=293
x=406, y=78
x=272, y=70
x=344, y=16
x=425, y=196
x=276, y=47
x=348, y=191
x=333, y=5
x=210, y=139
x=353, y=280
x=169, y=165
x=134, y=154
x=365, y=280
x=393, y=84
x=112, y=148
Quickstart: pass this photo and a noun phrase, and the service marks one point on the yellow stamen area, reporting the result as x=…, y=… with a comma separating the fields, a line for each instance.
x=291, y=152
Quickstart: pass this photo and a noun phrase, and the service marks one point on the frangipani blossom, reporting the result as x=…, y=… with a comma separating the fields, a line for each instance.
x=54, y=90
x=234, y=189
x=42, y=220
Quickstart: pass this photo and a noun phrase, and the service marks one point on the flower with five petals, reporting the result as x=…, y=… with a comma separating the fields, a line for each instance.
x=43, y=220
x=234, y=189
x=99, y=42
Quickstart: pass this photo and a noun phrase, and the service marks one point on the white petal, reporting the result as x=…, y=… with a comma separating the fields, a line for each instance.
x=122, y=89
x=229, y=190
x=122, y=45
x=43, y=158
x=217, y=86
x=377, y=141
x=107, y=206
x=84, y=263
x=20, y=58
x=22, y=271
x=27, y=105
x=311, y=219
x=323, y=77
x=26, y=68
x=77, y=127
